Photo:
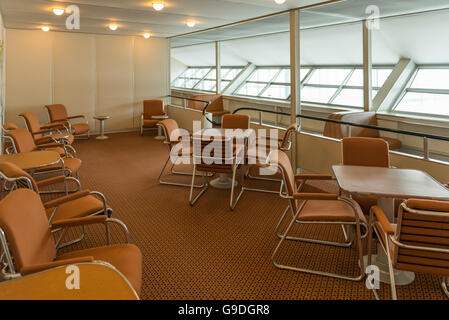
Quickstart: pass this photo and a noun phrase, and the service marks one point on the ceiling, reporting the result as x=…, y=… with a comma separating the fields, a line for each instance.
x=324, y=15
x=135, y=17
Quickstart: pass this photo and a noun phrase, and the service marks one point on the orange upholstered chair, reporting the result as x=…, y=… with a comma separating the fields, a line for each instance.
x=372, y=152
x=151, y=108
x=339, y=131
x=315, y=208
x=82, y=203
x=23, y=141
x=418, y=242
x=7, y=145
x=215, y=104
x=29, y=247
x=235, y=121
x=58, y=113
x=38, y=131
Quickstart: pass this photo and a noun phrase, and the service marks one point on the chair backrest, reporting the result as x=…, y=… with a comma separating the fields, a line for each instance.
x=215, y=102
x=360, y=151
x=25, y=224
x=235, y=121
x=339, y=131
x=32, y=123
x=423, y=223
x=170, y=126
x=10, y=171
x=152, y=108
x=215, y=154
x=286, y=140
x=23, y=140
x=57, y=112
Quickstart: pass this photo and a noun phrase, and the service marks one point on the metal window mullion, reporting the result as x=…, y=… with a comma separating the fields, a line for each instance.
x=270, y=82
x=202, y=79
x=428, y=91
x=340, y=88
x=404, y=92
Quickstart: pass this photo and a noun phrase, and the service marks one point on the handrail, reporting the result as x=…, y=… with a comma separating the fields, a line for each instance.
x=366, y=126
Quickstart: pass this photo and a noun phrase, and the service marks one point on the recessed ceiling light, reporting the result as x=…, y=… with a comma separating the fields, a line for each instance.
x=279, y=1
x=45, y=28
x=158, y=5
x=191, y=23
x=58, y=11
x=146, y=35
x=113, y=27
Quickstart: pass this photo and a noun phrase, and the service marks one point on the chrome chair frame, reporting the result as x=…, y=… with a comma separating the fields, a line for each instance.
x=394, y=239
x=142, y=129
x=69, y=128
x=294, y=220
x=236, y=163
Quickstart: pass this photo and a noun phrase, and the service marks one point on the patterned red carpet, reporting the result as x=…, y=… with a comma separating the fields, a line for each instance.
x=207, y=251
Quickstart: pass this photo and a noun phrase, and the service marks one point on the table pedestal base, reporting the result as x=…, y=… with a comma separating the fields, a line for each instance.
x=102, y=137
x=159, y=134
x=380, y=260
x=223, y=182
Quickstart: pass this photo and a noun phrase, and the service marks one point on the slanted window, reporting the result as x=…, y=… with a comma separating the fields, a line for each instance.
x=204, y=78
x=427, y=92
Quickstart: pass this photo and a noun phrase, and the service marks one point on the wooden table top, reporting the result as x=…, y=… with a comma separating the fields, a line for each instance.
x=160, y=117
x=102, y=117
x=32, y=160
x=98, y=281
x=389, y=182
x=59, y=135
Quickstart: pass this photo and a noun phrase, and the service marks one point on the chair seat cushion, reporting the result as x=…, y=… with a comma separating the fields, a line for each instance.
x=73, y=164
x=80, y=128
x=329, y=210
x=150, y=123
x=70, y=138
x=78, y=208
x=127, y=258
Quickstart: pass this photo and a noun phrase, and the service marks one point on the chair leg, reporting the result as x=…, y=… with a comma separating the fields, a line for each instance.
x=175, y=183
x=242, y=189
x=390, y=269
x=206, y=185
x=445, y=286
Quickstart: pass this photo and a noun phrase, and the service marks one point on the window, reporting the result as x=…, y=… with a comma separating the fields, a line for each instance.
x=334, y=85
x=340, y=86
x=427, y=92
x=271, y=83
x=204, y=78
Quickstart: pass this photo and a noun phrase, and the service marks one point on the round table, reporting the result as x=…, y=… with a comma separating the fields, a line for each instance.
x=102, y=119
x=159, y=129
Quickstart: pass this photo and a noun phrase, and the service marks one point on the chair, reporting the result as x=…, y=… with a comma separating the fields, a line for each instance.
x=151, y=108
x=215, y=106
x=417, y=243
x=175, y=136
x=339, y=131
x=58, y=113
x=361, y=151
x=29, y=247
x=218, y=162
x=23, y=141
x=38, y=131
x=82, y=203
x=318, y=209
x=7, y=145
x=235, y=121
x=41, y=285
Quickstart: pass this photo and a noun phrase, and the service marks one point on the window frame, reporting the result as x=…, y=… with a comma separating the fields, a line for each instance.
x=408, y=89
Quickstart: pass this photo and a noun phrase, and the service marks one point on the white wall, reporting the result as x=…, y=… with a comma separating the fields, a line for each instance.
x=89, y=74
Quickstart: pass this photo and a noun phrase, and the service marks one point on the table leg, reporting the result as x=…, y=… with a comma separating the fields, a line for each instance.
x=380, y=259
x=159, y=134
x=102, y=136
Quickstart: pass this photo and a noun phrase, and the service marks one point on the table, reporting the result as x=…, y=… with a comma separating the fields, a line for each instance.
x=102, y=119
x=58, y=136
x=32, y=160
x=98, y=281
x=224, y=181
x=387, y=184
x=160, y=117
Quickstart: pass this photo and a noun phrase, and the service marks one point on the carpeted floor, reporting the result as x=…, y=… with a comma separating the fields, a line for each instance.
x=207, y=251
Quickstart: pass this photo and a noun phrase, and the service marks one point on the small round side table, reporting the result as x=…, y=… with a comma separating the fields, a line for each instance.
x=159, y=129
x=102, y=119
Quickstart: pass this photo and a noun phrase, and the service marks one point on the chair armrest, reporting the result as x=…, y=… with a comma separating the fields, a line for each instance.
x=383, y=220
x=79, y=116
x=51, y=145
x=50, y=181
x=70, y=197
x=313, y=177
x=43, y=131
x=315, y=196
x=44, y=266
x=75, y=222
x=53, y=125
